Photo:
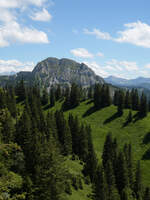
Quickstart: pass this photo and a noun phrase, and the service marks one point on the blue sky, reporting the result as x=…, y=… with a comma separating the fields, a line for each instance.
x=111, y=37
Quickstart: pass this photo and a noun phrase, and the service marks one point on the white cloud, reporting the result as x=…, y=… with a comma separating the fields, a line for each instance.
x=43, y=15
x=147, y=66
x=8, y=66
x=11, y=31
x=20, y=3
x=122, y=65
x=20, y=34
x=82, y=53
x=100, y=54
x=136, y=33
x=99, y=34
x=97, y=69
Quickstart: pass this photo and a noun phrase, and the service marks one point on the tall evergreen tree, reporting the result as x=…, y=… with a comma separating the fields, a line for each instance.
x=143, y=108
x=44, y=99
x=138, y=182
x=52, y=98
x=127, y=100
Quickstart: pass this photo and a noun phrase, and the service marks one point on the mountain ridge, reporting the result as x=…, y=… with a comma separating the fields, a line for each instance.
x=54, y=71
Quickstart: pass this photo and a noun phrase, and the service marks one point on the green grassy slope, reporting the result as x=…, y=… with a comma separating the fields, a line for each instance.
x=104, y=121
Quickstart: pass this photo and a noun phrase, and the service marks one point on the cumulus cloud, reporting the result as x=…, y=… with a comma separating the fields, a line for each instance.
x=122, y=65
x=11, y=31
x=137, y=33
x=8, y=66
x=20, y=3
x=97, y=68
x=99, y=34
x=43, y=15
x=122, y=69
x=82, y=53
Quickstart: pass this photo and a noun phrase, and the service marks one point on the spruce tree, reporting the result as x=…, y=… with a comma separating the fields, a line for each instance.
x=120, y=103
x=147, y=194
x=127, y=100
x=44, y=99
x=52, y=98
x=138, y=182
x=101, y=187
x=143, y=108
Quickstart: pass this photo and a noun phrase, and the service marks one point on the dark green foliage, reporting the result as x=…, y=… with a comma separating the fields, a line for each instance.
x=143, y=108
x=102, y=96
x=64, y=134
x=120, y=102
x=147, y=194
x=58, y=93
x=44, y=99
x=21, y=91
x=146, y=155
x=138, y=188
x=129, y=118
x=52, y=98
x=135, y=99
x=8, y=128
x=35, y=147
x=101, y=187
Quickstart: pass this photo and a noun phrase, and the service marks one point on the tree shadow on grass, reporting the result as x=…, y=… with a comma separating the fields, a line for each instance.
x=146, y=139
x=89, y=111
x=113, y=117
x=146, y=155
x=136, y=117
x=126, y=123
x=89, y=102
x=47, y=107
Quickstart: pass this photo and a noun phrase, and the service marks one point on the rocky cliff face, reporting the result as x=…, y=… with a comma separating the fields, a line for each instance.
x=54, y=71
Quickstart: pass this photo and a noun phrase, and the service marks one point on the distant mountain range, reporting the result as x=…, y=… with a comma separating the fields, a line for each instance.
x=138, y=82
x=53, y=71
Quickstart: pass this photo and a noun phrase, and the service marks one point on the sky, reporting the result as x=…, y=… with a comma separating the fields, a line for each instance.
x=111, y=37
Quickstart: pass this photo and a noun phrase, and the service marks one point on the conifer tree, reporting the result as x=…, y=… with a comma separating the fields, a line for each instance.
x=74, y=96
x=97, y=96
x=75, y=131
x=116, y=98
x=143, y=108
x=122, y=173
x=120, y=103
x=127, y=100
x=135, y=99
x=8, y=129
x=58, y=93
x=44, y=99
x=101, y=187
x=108, y=97
x=107, y=150
x=91, y=160
x=64, y=133
x=138, y=182
x=147, y=194
x=52, y=98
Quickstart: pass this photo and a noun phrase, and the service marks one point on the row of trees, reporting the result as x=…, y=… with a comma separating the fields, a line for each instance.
x=43, y=142
x=117, y=178
x=122, y=99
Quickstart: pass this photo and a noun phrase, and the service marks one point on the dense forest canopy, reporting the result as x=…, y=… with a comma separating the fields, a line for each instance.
x=36, y=145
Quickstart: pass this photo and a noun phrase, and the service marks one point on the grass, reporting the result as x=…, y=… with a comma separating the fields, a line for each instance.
x=106, y=120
